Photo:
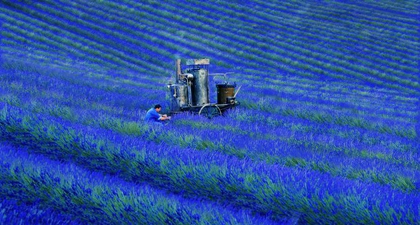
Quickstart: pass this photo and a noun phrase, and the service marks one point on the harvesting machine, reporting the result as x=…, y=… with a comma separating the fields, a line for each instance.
x=190, y=92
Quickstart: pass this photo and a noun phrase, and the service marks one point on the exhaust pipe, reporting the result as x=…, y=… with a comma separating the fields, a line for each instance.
x=178, y=70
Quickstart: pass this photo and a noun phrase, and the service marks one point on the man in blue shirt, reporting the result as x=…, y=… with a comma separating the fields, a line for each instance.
x=153, y=115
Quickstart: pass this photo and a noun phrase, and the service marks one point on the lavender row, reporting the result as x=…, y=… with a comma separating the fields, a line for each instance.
x=325, y=116
x=202, y=139
x=259, y=53
x=346, y=103
x=63, y=43
x=99, y=95
x=326, y=84
x=131, y=99
x=15, y=212
x=222, y=8
x=143, y=32
x=251, y=149
x=79, y=88
x=294, y=149
x=129, y=94
x=86, y=29
x=257, y=13
x=264, y=188
x=86, y=94
x=90, y=196
x=46, y=44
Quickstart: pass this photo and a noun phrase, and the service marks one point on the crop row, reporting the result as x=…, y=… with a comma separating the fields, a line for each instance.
x=15, y=51
x=130, y=96
x=383, y=126
x=283, y=10
x=243, y=122
x=219, y=31
x=328, y=113
x=61, y=42
x=120, y=44
x=263, y=21
x=334, y=87
x=61, y=87
x=371, y=18
x=408, y=9
x=42, y=42
x=94, y=73
x=92, y=197
x=77, y=101
x=12, y=42
x=349, y=104
x=43, y=56
x=202, y=139
x=317, y=153
x=61, y=99
x=117, y=88
x=315, y=39
x=329, y=85
x=41, y=59
x=261, y=187
x=384, y=64
x=142, y=29
x=96, y=79
x=297, y=161
x=99, y=11
x=67, y=13
x=68, y=113
x=13, y=212
x=339, y=96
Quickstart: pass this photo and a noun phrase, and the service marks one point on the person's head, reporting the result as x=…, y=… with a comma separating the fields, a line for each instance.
x=158, y=108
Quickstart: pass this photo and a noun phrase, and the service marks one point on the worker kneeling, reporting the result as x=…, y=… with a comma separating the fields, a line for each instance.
x=153, y=115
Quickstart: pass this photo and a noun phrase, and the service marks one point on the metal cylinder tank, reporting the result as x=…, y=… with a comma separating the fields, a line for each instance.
x=200, y=87
x=224, y=92
x=179, y=96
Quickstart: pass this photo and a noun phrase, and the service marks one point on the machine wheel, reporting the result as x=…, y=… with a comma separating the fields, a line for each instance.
x=210, y=111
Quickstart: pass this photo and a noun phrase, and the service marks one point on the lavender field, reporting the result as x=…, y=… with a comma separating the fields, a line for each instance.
x=327, y=132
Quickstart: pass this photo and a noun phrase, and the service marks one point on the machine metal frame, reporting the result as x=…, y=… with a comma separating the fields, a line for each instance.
x=190, y=93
